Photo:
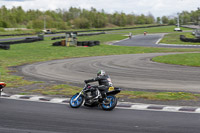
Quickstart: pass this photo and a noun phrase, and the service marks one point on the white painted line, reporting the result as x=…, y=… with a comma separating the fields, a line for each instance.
x=58, y=100
x=171, y=108
x=3, y=93
x=139, y=107
x=15, y=96
x=36, y=98
x=158, y=40
x=197, y=110
x=133, y=106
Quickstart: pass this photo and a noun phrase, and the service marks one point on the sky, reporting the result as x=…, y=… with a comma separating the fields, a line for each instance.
x=158, y=8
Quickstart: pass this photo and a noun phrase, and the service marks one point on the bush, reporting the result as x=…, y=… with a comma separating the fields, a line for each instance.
x=38, y=24
x=82, y=23
x=4, y=24
x=2, y=29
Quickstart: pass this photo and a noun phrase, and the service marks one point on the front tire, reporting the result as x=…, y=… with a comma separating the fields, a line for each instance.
x=76, y=103
x=109, y=103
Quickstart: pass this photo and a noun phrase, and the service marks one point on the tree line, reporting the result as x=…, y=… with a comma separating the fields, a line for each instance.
x=81, y=18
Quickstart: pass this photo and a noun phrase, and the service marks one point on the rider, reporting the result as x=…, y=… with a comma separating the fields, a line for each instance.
x=104, y=82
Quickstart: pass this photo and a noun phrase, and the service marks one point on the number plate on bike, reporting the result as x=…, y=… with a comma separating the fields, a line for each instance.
x=110, y=88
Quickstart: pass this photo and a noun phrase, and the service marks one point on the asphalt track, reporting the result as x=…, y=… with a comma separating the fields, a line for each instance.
x=36, y=117
x=151, y=40
x=134, y=71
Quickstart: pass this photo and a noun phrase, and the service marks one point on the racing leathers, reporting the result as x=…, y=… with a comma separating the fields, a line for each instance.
x=104, y=83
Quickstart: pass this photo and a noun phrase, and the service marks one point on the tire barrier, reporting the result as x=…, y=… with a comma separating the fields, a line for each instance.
x=26, y=40
x=89, y=30
x=83, y=34
x=5, y=47
x=185, y=39
x=88, y=43
x=57, y=43
x=91, y=34
x=79, y=43
x=55, y=38
x=18, y=34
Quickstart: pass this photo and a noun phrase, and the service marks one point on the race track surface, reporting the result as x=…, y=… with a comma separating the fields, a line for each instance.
x=151, y=40
x=134, y=71
x=36, y=117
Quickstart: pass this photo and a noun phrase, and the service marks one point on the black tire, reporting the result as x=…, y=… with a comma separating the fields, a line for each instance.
x=91, y=43
x=5, y=47
x=79, y=43
x=77, y=103
x=57, y=44
x=97, y=42
x=111, y=105
x=85, y=43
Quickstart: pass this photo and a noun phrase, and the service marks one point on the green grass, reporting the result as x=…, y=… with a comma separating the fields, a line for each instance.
x=162, y=29
x=162, y=96
x=188, y=59
x=174, y=38
x=17, y=32
x=61, y=89
x=43, y=51
x=67, y=90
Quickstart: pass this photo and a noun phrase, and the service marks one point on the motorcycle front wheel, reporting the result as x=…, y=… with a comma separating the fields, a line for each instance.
x=76, y=103
x=109, y=103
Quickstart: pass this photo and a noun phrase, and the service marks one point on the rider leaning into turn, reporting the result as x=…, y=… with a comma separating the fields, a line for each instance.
x=104, y=82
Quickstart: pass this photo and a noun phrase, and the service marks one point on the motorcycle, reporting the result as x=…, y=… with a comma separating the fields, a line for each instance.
x=92, y=97
x=2, y=85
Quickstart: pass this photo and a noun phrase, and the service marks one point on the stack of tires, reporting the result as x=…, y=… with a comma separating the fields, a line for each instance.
x=55, y=38
x=185, y=39
x=79, y=43
x=26, y=40
x=4, y=46
x=88, y=43
x=57, y=43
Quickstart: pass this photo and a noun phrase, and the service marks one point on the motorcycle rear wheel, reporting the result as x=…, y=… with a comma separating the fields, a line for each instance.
x=76, y=103
x=109, y=103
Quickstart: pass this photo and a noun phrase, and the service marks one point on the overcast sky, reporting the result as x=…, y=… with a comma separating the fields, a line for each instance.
x=155, y=7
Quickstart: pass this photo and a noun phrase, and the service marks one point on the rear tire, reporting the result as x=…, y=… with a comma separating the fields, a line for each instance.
x=76, y=103
x=108, y=106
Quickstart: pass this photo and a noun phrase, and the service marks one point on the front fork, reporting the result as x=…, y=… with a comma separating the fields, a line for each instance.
x=78, y=95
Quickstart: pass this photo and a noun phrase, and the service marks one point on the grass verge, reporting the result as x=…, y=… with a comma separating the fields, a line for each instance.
x=67, y=90
x=174, y=38
x=188, y=59
x=162, y=29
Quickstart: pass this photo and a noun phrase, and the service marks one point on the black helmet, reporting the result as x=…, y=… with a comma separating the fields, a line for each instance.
x=101, y=73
